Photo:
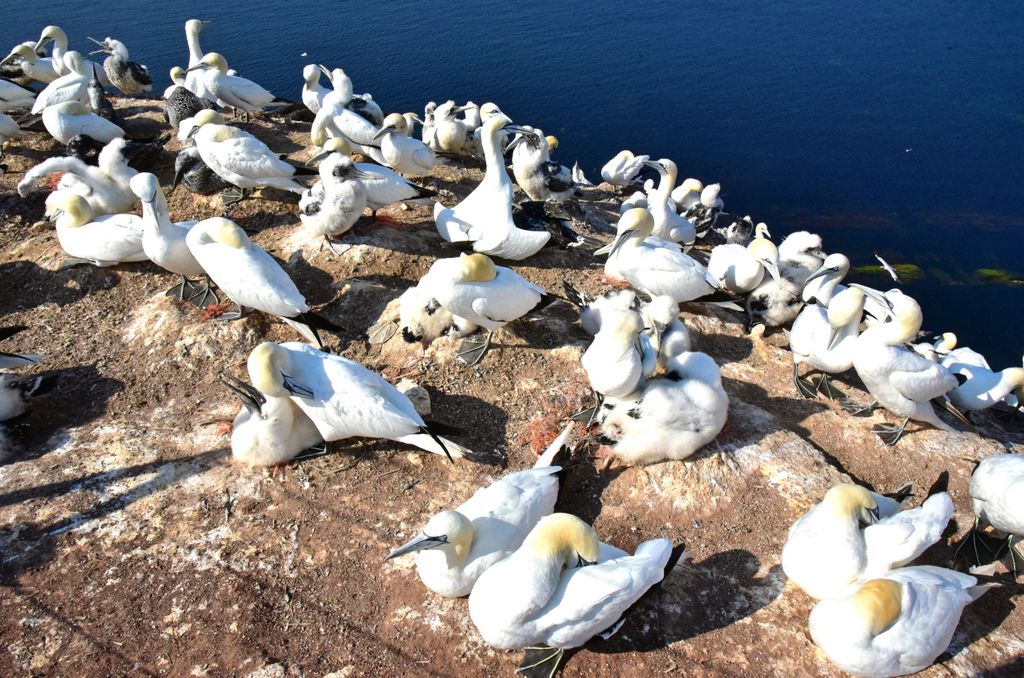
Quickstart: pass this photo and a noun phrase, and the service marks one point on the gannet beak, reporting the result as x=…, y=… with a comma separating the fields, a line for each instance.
x=55, y=215
x=419, y=543
x=772, y=269
x=604, y=250
x=192, y=132
x=204, y=24
x=417, y=119
x=519, y=138
x=42, y=41
x=195, y=68
x=359, y=174
x=295, y=388
x=317, y=158
x=583, y=562
x=96, y=41
x=874, y=294
x=620, y=240
x=655, y=165
x=97, y=51
x=6, y=59
x=833, y=334
x=325, y=71
x=384, y=130
x=874, y=514
x=250, y=397
x=819, y=273
x=177, y=178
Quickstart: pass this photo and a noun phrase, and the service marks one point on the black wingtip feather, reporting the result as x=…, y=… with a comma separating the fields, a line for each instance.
x=8, y=332
x=432, y=434
x=901, y=493
x=572, y=294
x=941, y=484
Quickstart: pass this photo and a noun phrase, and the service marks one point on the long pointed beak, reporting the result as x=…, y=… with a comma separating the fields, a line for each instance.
x=250, y=397
x=55, y=215
x=195, y=68
x=832, y=336
x=655, y=165
x=384, y=130
x=317, y=158
x=772, y=268
x=97, y=51
x=874, y=294
x=417, y=119
x=178, y=174
x=295, y=388
x=519, y=138
x=420, y=542
x=95, y=41
x=620, y=240
x=192, y=132
x=818, y=274
x=325, y=71
x=6, y=59
x=359, y=174
x=42, y=41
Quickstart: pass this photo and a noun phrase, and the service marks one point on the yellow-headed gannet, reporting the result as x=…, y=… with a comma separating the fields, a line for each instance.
x=667, y=224
x=741, y=269
x=99, y=240
x=105, y=186
x=402, y=153
x=239, y=93
x=623, y=168
x=34, y=66
x=70, y=118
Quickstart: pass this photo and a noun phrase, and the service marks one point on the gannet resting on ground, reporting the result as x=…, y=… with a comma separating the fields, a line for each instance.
x=362, y=105
x=623, y=168
x=652, y=269
x=104, y=187
x=240, y=158
x=313, y=92
x=895, y=625
x=666, y=333
x=562, y=587
x=423, y=319
x=472, y=287
x=70, y=87
x=180, y=103
x=667, y=224
x=9, y=129
x=251, y=277
x=100, y=240
x=983, y=387
x=939, y=348
x=195, y=81
x=704, y=214
x=901, y=381
x=164, y=242
x=741, y=269
x=336, y=201
x=343, y=398
x=450, y=132
x=484, y=217
x=800, y=255
x=12, y=360
x=618, y=359
x=60, y=51
x=687, y=194
x=775, y=301
x=845, y=539
x=14, y=97
x=539, y=178
x=194, y=174
x=997, y=491
x=11, y=66
x=456, y=546
x=239, y=93
x=268, y=430
x=34, y=66
x=69, y=119
x=335, y=120
x=401, y=152
x=16, y=392
x=593, y=310
x=124, y=74
x=673, y=416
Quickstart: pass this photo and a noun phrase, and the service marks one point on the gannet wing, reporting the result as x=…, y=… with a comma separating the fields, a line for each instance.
x=250, y=157
x=920, y=379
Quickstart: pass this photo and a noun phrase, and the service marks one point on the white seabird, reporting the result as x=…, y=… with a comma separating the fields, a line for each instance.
x=34, y=66
x=623, y=168
x=617, y=361
x=195, y=80
x=983, y=387
x=539, y=178
x=362, y=105
x=343, y=398
x=940, y=347
x=484, y=217
x=666, y=333
x=70, y=87
x=313, y=92
x=472, y=287
x=14, y=97
x=336, y=202
x=458, y=545
x=593, y=310
x=100, y=240
x=451, y=133
x=104, y=186
x=335, y=120
x=60, y=51
x=9, y=129
x=70, y=118
x=251, y=277
x=895, y=625
x=124, y=74
x=800, y=255
x=740, y=269
x=401, y=152
x=668, y=225
x=423, y=319
x=855, y=534
x=239, y=93
x=687, y=194
x=997, y=493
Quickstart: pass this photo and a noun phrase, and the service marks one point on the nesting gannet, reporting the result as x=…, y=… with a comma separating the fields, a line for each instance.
x=800, y=255
x=17, y=392
x=427, y=133
x=237, y=92
x=673, y=416
x=180, y=103
x=335, y=120
x=623, y=168
x=105, y=186
x=617, y=361
x=423, y=319
x=14, y=97
x=900, y=380
x=651, y=268
x=240, y=158
x=667, y=224
x=562, y=587
x=472, y=287
x=11, y=360
x=100, y=240
x=940, y=347
x=70, y=87
x=336, y=202
x=9, y=129
x=384, y=186
x=594, y=309
x=895, y=625
x=997, y=492
x=11, y=66
x=164, y=241
x=362, y=105
x=776, y=300
x=458, y=545
x=451, y=133
x=704, y=214
x=70, y=118
x=343, y=398
x=845, y=538
x=741, y=269
x=98, y=101
x=251, y=277
x=484, y=217
x=687, y=194
x=40, y=69
x=666, y=333
x=983, y=387
x=539, y=178
x=401, y=152
x=126, y=75
x=313, y=92
x=195, y=81
x=195, y=175
x=268, y=430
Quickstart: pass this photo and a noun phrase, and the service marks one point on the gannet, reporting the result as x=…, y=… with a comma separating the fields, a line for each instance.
x=194, y=174
x=940, y=347
x=60, y=51
x=100, y=240
x=362, y=105
x=384, y=186
x=70, y=118
x=901, y=381
x=471, y=116
x=268, y=430
x=617, y=361
x=427, y=135
x=562, y=587
x=98, y=101
x=472, y=287
x=845, y=539
x=9, y=129
x=672, y=416
x=895, y=625
x=704, y=214
x=741, y=269
x=401, y=152
x=12, y=360
x=800, y=255
x=983, y=387
x=423, y=319
x=776, y=300
x=14, y=97
x=623, y=168
x=997, y=492
x=667, y=224
x=450, y=132
x=105, y=187
x=195, y=80
x=653, y=269
x=70, y=87
x=164, y=241
x=16, y=392
x=313, y=92
x=126, y=75
x=180, y=103
x=251, y=277
x=343, y=398
x=667, y=335
x=594, y=309
x=336, y=202
x=458, y=545
x=335, y=120
x=539, y=178
x=484, y=217
x=687, y=194
x=239, y=93
x=11, y=66
x=34, y=66
x=240, y=158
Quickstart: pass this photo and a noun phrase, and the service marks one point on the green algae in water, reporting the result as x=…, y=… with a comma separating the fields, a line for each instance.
x=906, y=272
x=998, y=276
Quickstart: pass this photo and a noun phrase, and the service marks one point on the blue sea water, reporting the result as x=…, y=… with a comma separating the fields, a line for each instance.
x=889, y=127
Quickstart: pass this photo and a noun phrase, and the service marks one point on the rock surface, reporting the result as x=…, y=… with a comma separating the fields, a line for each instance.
x=131, y=544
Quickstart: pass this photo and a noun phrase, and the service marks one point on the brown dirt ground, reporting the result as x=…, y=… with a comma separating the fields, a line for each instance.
x=131, y=544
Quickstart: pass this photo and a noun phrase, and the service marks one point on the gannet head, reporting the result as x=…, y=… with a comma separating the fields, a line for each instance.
x=340, y=167
x=476, y=268
x=801, y=244
x=194, y=26
x=203, y=118
x=311, y=73
x=489, y=110
x=68, y=210
x=709, y=197
x=692, y=185
x=847, y=500
x=212, y=60
x=178, y=75
x=252, y=399
x=761, y=230
x=634, y=223
x=552, y=141
x=449, y=531
x=946, y=342
x=25, y=52
x=145, y=185
x=225, y=232
x=270, y=371
x=664, y=167
x=875, y=607
x=835, y=266
x=393, y=123
x=338, y=145
x=1015, y=376
x=843, y=309
x=51, y=33
x=767, y=254
x=564, y=538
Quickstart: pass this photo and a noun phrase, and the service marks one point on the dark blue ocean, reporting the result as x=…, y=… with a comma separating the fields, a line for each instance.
x=896, y=127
